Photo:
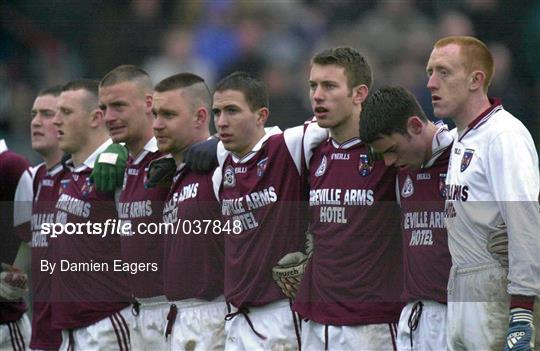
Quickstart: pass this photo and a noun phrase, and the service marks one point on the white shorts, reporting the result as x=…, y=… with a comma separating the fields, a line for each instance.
x=378, y=337
x=149, y=324
x=15, y=335
x=110, y=333
x=199, y=325
x=477, y=307
x=430, y=331
x=274, y=321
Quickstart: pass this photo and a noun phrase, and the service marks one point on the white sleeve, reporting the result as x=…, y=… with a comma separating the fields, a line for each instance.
x=513, y=176
x=24, y=194
x=221, y=153
x=216, y=182
x=293, y=140
x=313, y=136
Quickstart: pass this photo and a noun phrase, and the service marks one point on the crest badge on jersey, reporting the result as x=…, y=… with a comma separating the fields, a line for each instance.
x=87, y=187
x=442, y=185
x=322, y=167
x=229, y=179
x=261, y=166
x=63, y=186
x=408, y=188
x=466, y=159
x=365, y=166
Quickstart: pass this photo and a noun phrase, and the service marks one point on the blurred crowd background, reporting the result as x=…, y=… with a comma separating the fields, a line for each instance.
x=46, y=42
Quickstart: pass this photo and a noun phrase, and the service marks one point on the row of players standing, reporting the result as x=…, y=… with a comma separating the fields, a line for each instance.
x=351, y=290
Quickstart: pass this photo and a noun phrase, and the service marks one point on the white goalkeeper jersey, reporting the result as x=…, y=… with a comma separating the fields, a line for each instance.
x=493, y=178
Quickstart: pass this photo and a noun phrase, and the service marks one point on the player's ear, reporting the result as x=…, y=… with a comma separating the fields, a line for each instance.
x=97, y=118
x=262, y=116
x=201, y=116
x=415, y=125
x=476, y=80
x=360, y=93
x=149, y=100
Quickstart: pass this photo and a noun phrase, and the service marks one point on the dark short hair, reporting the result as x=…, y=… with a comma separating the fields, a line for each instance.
x=89, y=85
x=253, y=88
x=127, y=73
x=55, y=90
x=357, y=69
x=386, y=112
x=197, y=87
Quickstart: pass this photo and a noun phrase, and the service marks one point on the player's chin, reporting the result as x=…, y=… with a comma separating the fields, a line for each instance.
x=324, y=123
x=118, y=138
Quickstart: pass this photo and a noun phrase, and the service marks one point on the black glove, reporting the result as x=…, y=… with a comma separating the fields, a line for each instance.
x=202, y=156
x=160, y=172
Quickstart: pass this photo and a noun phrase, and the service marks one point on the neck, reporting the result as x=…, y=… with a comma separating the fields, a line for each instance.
x=473, y=109
x=179, y=155
x=137, y=146
x=52, y=158
x=348, y=129
x=94, y=141
x=431, y=130
x=258, y=136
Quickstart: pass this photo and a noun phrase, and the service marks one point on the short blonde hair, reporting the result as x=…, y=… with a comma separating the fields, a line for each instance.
x=475, y=53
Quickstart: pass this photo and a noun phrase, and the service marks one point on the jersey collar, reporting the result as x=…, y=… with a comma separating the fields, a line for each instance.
x=89, y=162
x=57, y=168
x=151, y=146
x=346, y=144
x=496, y=105
x=268, y=133
x=3, y=146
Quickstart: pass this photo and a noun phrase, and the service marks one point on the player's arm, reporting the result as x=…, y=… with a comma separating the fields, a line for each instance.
x=512, y=169
x=301, y=140
x=13, y=279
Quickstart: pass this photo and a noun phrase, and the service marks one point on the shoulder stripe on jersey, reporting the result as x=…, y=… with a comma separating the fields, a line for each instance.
x=484, y=116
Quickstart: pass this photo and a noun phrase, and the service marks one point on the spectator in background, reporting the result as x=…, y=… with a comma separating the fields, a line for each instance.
x=178, y=55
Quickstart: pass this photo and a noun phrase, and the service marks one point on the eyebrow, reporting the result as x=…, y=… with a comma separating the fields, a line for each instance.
x=215, y=109
x=162, y=111
x=388, y=149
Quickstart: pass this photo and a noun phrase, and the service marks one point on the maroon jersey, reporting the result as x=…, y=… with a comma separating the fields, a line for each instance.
x=92, y=287
x=194, y=255
x=426, y=257
x=46, y=193
x=138, y=205
x=13, y=168
x=265, y=193
x=355, y=274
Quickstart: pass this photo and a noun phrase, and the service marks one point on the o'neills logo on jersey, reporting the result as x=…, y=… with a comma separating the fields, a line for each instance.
x=261, y=166
x=364, y=165
x=322, y=167
x=442, y=185
x=408, y=187
x=229, y=179
x=466, y=159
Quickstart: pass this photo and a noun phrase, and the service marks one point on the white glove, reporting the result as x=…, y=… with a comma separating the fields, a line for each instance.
x=497, y=245
x=13, y=283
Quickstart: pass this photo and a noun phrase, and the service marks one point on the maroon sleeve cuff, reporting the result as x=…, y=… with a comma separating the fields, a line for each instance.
x=522, y=301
